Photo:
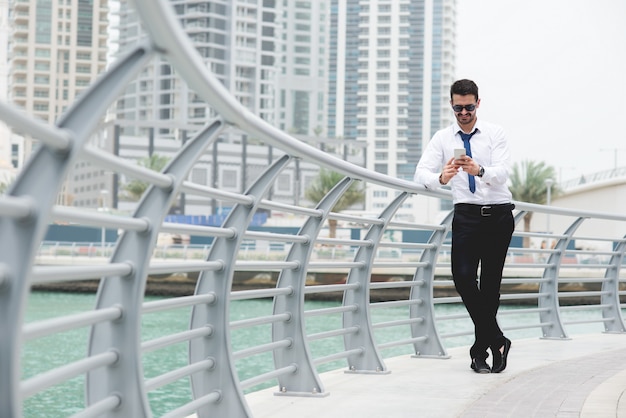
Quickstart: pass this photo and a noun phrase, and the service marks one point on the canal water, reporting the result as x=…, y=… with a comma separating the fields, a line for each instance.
x=66, y=399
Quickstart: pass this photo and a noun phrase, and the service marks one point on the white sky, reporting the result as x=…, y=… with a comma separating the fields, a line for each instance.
x=553, y=74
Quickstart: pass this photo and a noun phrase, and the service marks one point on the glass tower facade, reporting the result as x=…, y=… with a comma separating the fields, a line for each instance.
x=391, y=64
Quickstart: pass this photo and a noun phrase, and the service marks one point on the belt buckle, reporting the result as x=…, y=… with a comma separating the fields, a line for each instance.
x=484, y=211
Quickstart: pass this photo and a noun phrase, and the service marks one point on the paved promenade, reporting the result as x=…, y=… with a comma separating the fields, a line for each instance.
x=584, y=376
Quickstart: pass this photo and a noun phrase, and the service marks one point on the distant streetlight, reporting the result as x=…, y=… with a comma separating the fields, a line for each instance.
x=549, y=183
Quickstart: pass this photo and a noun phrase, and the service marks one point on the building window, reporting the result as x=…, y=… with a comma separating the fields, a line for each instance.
x=229, y=178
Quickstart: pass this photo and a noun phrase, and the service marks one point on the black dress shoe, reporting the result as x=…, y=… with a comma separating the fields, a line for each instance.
x=479, y=365
x=499, y=358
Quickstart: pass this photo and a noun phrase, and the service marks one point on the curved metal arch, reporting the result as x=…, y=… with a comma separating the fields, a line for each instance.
x=431, y=345
x=223, y=377
x=306, y=381
x=41, y=179
x=370, y=359
x=549, y=308
x=610, y=292
x=136, y=248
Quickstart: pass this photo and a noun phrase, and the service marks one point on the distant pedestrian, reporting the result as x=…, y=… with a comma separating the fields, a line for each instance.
x=472, y=156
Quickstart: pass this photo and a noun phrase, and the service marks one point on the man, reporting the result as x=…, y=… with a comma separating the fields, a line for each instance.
x=483, y=221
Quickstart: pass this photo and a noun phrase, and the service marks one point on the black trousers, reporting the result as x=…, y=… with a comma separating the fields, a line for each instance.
x=481, y=236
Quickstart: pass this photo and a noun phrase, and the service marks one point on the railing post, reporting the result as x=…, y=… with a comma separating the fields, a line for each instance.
x=223, y=377
x=548, y=301
x=306, y=381
x=370, y=360
x=610, y=301
x=430, y=345
x=136, y=248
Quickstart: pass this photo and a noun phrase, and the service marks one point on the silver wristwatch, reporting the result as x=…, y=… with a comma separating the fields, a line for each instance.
x=481, y=171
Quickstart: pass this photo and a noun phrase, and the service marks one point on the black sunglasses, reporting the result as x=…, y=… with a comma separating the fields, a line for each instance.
x=459, y=108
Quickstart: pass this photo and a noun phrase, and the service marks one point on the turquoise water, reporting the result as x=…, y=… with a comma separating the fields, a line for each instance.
x=66, y=399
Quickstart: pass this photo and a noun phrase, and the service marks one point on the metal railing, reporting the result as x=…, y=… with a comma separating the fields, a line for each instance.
x=113, y=377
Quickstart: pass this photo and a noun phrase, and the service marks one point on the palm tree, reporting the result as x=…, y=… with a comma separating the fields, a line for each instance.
x=135, y=188
x=528, y=184
x=320, y=187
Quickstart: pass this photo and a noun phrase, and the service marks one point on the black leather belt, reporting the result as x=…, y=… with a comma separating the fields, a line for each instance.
x=483, y=210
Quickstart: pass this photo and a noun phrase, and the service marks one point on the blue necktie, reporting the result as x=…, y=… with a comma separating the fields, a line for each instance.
x=468, y=150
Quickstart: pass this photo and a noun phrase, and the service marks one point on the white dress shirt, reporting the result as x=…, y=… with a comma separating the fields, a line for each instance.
x=489, y=149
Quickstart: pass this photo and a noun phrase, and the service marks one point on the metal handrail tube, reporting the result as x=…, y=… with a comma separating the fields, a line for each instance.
x=337, y=356
x=525, y=281
x=537, y=234
x=587, y=266
x=325, y=288
x=260, y=349
x=394, y=285
x=592, y=252
x=265, y=265
x=203, y=231
x=426, y=227
x=55, y=376
x=109, y=161
x=169, y=268
x=100, y=219
x=327, y=311
x=446, y=300
x=391, y=265
x=179, y=337
x=332, y=333
x=296, y=210
x=201, y=190
x=179, y=302
x=99, y=408
x=17, y=207
x=45, y=327
x=337, y=241
x=185, y=410
x=585, y=280
x=583, y=294
x=402, y=342
x=530, y=265
x=269, y=236
x=261, y=320
x=336, y=264
x=268, y=376
x=589, y=321
x=514, y=296
x=522, y=311
x=527, y=326
x=350, y=218
x=395, y=303
x=407, y=245
x=601, y=239
x=174, y=375
x=71, y=273
x=259, y=293
x=58, y=138
x=389, y=324
x=585, y=307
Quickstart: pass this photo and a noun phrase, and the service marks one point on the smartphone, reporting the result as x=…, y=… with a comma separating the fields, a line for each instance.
x=458, y=153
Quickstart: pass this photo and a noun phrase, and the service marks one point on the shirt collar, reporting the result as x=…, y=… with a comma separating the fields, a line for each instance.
x=477, y=127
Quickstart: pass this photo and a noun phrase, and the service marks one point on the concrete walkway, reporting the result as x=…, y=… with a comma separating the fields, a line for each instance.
x=581, y=377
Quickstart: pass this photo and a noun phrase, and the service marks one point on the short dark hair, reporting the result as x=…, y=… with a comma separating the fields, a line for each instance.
x=463, y=88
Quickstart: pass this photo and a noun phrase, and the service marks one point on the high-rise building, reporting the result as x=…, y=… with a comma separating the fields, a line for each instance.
x=56, y=49
x=270, y=54
x=391, y=65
